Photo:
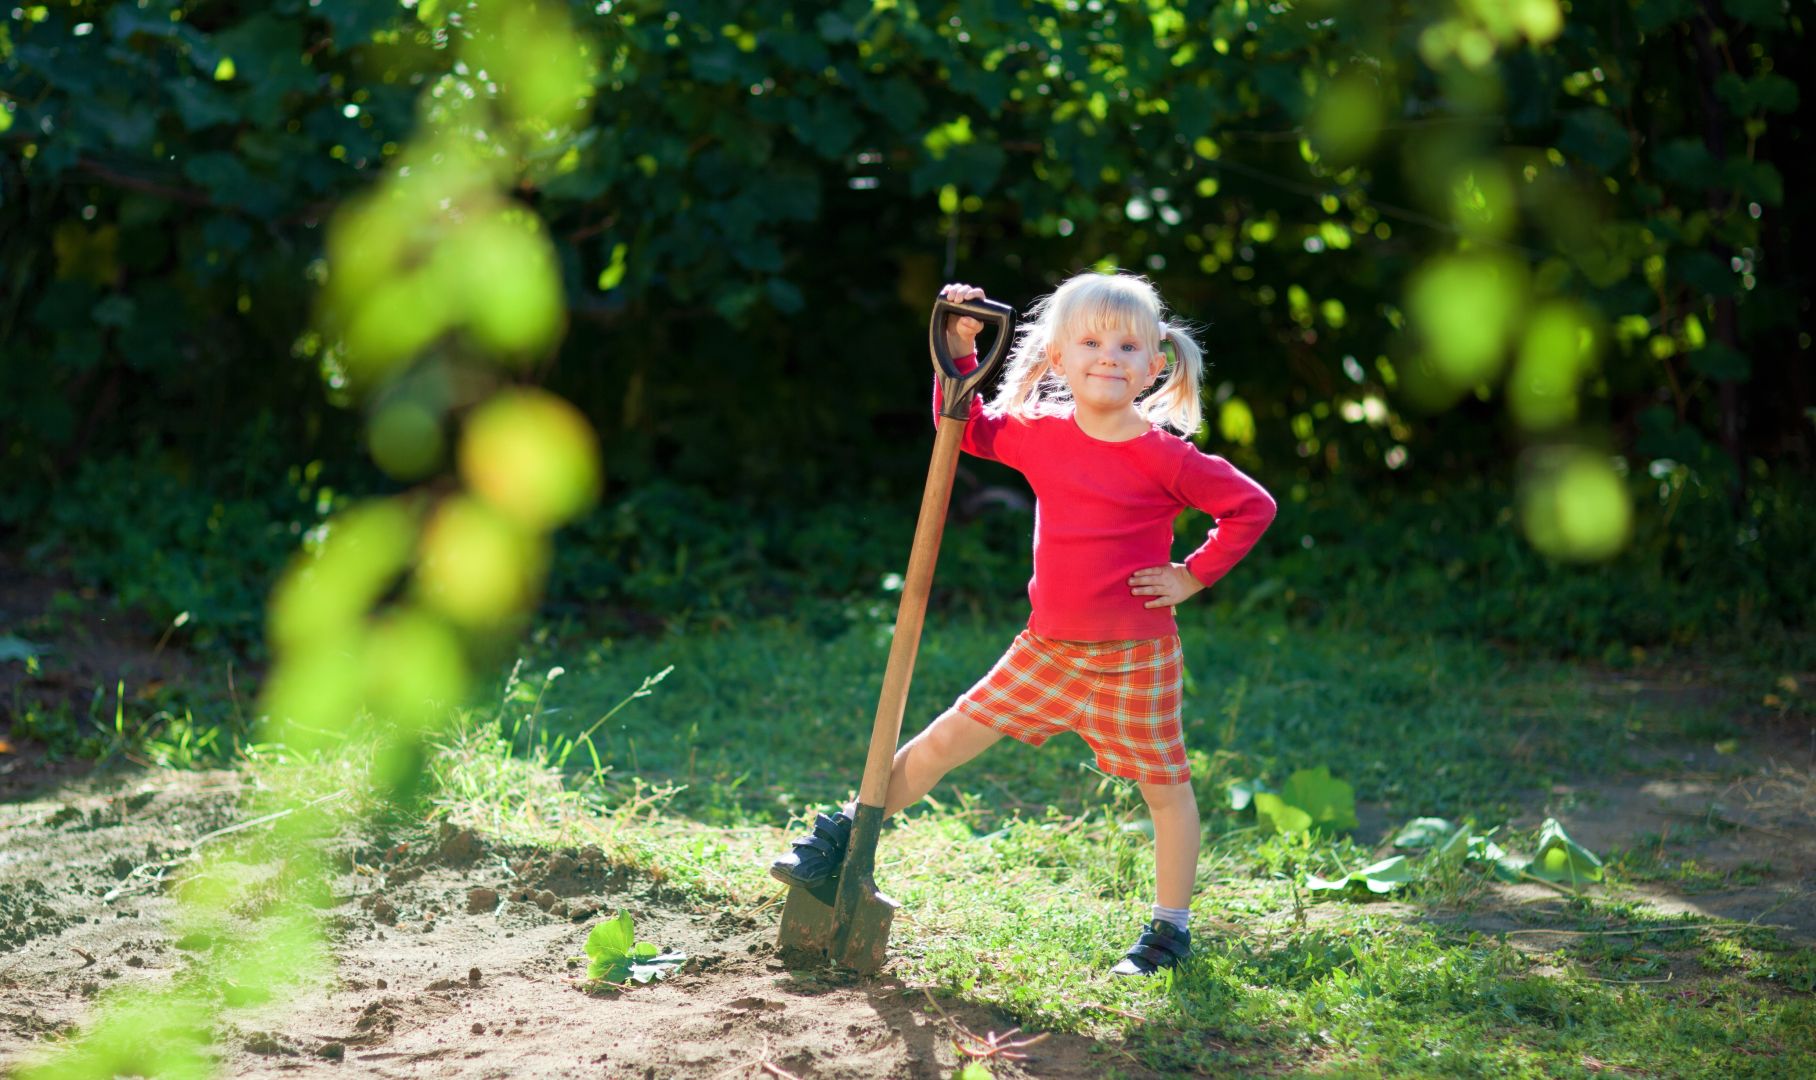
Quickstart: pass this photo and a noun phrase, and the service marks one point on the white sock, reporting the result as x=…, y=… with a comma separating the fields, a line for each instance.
x=1180, y=917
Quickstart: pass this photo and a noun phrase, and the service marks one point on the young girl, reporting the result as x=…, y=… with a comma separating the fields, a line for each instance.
x=1101, y=655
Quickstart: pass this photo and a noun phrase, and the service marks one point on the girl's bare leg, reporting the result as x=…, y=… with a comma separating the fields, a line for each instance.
x=1176, y=838
x=948, y=742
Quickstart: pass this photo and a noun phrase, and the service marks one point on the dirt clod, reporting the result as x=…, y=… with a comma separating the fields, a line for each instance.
x=472, y=976
x=546, y=899
x=481, y=900
x=479, y=1029
x=457, y=846
x=263, y=1042
x=331, y=1051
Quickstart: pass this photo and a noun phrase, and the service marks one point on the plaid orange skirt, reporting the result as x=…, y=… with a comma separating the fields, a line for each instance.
x=1122, y=697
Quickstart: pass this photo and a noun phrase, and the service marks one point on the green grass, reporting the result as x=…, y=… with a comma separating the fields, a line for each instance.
x=1026, y=872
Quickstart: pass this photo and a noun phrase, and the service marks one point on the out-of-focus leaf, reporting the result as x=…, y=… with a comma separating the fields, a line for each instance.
x=1330, y=803
x=1719, y=361
x=1597, y=137
x=1422, y=832
x=1276, y=816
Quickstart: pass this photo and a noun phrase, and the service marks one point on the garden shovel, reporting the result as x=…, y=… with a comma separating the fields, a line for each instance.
x=846, y=919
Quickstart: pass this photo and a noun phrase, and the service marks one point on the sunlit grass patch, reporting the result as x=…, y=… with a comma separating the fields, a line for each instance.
x=1027, y=873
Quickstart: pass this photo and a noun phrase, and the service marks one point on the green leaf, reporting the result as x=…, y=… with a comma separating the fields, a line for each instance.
x=114, y=311
x=835, y=27
x=611, y=939
x=610, y=969
x=1562, y=859
x=1455, y=846
x=1331, y=803
x=1277, y=817
x=1757, y=180
x=1482, y=849
x=1595, y=136
x=1719, y=361
x=1686, y=162
x=1705, y=273
x=199, y=104
x=657, y=966
x=1661, y=436
x=1769, y=92
x=1652, y=15
x=1382, y=877
x=1422, y=832
x=618, y=957
x=1243, y=792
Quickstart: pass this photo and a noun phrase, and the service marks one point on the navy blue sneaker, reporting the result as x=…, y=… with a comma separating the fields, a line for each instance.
x=1161, y=945
x=816, y=857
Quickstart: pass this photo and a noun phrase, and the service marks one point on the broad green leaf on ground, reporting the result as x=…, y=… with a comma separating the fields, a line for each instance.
x=1381, y=877
x=1331, y=803
x=1276, y=816
x=1559, y=859
x=1423, y=832
x=1448, y=841
x=616, y=956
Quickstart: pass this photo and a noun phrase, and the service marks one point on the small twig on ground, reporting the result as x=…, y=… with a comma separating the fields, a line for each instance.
x=765, y=905
x=1710, y=925
x=1630, y=982
x=928, y=994
x=88, y=958
x=139, y=878
x=1612, y=933
x=777, y=1070
x=1137, y=1017
x=994, y=1045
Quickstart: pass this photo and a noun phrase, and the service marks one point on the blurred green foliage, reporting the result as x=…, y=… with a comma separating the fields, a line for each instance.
x=750, y=219
x=1399, y=557
x=1378, y=213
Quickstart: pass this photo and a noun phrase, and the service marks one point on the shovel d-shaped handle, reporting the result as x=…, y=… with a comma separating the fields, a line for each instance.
x=956, y=387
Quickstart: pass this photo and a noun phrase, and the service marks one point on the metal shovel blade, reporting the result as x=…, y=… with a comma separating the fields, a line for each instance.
x=845, y=920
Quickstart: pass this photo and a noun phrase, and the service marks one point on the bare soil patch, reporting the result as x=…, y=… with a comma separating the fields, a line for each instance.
x=457, y=958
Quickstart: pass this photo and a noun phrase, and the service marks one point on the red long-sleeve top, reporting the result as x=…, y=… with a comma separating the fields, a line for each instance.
x=1104, y=510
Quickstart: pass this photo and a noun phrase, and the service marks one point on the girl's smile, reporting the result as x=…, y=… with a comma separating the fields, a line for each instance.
x=1106, y=371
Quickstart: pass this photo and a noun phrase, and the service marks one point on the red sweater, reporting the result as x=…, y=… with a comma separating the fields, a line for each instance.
x=1104, y=510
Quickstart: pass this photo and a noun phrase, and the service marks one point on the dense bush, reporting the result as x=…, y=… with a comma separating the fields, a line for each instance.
x=1400, y=558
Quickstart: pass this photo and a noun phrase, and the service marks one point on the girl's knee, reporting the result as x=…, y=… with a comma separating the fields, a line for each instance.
x=1173, y=798
x=953, y=736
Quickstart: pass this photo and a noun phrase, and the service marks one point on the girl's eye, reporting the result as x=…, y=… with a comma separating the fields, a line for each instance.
x=1089, y=343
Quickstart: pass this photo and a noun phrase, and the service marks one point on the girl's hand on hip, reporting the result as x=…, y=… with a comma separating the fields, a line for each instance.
x=961, y=331
x=1169, y=585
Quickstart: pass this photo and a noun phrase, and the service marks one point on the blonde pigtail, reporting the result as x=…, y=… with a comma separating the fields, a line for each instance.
x=1176, y=402
x=1029, y=386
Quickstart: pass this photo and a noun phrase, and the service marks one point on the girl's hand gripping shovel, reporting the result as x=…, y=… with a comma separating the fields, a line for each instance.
x=847, y=920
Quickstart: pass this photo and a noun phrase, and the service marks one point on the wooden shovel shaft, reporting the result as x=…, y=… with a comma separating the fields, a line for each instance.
x=911, y=613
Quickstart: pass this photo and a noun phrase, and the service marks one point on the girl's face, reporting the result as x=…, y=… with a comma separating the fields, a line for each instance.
x=1106, y=369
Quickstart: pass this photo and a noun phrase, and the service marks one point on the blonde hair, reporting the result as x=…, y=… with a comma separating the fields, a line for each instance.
x=1103, y=303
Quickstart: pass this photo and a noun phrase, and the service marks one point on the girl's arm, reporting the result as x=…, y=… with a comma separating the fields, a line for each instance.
x=987, y=435
x=1243, y=510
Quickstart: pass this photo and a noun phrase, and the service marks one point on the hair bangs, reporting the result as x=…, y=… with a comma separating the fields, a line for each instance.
x=1102, y=303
